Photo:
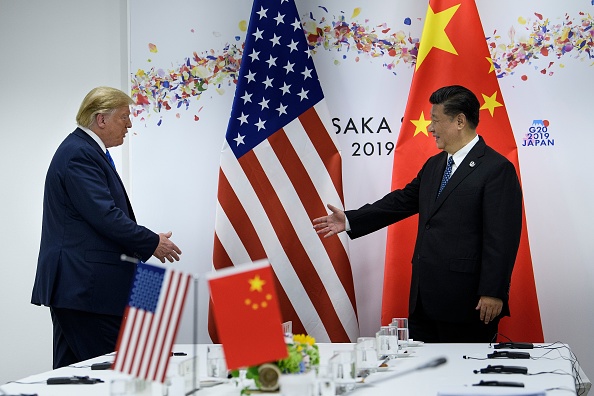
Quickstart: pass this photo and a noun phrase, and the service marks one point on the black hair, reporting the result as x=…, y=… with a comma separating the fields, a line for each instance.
x=457, y=99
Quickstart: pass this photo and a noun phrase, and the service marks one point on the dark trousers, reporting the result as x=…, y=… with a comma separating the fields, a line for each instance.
x=422, y=328
x=82, y=335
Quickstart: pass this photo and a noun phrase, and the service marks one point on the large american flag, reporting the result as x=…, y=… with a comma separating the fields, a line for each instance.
x=279, y=167
x=150, y=322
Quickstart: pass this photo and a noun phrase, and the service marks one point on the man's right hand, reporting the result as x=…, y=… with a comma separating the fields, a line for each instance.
x=166, y=248
x=332, y=224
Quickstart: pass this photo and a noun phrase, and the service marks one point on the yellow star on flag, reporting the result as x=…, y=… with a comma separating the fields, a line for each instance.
x=490, y=103
x=492, y=65
x=421, y=125
x=434, y=34
x=256, y=283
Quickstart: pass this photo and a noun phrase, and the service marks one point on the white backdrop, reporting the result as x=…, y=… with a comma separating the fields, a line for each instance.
x=49, y=60
x=47, y=66
x=174, y=153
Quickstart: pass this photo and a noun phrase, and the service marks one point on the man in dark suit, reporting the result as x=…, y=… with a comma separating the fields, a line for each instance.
x=88, y=223
x=468, y=233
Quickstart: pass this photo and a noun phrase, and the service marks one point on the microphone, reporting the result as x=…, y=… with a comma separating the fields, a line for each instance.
x=514, y=345
x=129, y=259
x=508, y=355
x=500, y=369
x=433, y=363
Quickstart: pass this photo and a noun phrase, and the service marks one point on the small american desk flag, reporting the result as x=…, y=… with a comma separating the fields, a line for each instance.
x=279, y=168
x=150, y=322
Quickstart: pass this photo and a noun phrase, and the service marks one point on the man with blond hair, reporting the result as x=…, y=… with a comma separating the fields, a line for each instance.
x=88, y=223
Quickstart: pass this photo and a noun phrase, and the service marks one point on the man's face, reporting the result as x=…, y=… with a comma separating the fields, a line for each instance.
x=445, y=129
x=115, y=126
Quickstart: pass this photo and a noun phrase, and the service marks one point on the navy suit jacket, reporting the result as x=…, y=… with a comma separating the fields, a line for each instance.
x=88, y=224
x=467, y=239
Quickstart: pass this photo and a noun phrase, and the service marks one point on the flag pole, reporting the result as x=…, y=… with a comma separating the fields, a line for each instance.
x=195, y=336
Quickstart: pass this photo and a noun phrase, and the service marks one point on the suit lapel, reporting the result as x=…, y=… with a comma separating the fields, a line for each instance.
x=471, y=162
x=85, y=136
x=93, y=143
x=435, y=179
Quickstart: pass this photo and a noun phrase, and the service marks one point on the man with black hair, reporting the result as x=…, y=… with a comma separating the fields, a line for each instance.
x=469, y=202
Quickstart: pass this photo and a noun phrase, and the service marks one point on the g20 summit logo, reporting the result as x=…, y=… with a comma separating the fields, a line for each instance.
x=538, y=135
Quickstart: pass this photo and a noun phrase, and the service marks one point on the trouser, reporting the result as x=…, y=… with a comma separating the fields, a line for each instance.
x=80, y=335
x=422, y=328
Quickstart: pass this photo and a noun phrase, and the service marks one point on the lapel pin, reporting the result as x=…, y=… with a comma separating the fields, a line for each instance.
x=472, y=164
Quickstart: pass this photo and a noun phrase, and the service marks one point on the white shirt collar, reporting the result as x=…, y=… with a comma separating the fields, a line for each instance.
x=95, y=137
x=463, y=152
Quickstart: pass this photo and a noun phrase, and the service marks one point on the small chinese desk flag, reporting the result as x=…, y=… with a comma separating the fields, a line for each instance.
x=247, y=314
x=150, y=322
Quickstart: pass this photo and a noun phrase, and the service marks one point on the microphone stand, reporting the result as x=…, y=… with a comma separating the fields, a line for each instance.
x=433, y=363
x=195, y=339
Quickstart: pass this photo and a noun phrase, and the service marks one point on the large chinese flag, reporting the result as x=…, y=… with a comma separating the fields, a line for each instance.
x=453, y=51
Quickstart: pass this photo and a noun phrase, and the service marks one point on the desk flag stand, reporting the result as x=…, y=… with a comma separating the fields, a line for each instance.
x=195, y=387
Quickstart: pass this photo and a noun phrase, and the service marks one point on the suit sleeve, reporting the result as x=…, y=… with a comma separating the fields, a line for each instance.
x=88, y=187
x=502, y=226
x=393, y=207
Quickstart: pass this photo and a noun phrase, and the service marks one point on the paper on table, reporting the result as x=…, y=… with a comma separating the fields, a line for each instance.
x=490, y=391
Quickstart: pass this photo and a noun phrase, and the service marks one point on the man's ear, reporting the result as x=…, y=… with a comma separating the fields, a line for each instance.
x=460, y=120
x=100, y=120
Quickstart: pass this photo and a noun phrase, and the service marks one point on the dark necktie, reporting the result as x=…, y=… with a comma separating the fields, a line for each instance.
x=110, y=159
x=446, y=175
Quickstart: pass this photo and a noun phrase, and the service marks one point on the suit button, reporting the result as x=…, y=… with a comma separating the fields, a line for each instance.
x=427, y=226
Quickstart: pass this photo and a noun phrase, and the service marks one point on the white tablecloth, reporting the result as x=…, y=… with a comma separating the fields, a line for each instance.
x=456, y=376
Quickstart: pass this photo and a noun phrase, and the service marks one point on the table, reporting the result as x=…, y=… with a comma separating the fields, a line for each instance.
x=403, y=377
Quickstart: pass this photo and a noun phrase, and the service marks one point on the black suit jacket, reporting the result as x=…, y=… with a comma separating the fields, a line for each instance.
x=467, y=239
x=87, y=224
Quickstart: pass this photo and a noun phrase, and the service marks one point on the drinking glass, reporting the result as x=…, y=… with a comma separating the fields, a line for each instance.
x=366, y=356
x=402, y=325
x=215, y=361
x=129, y=387
x=387, y=342
x=342, y=368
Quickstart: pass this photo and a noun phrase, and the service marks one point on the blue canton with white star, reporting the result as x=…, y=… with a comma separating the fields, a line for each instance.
x=277, y=79
x=148, y=281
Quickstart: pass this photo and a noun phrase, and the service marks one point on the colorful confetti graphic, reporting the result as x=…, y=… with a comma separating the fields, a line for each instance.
x=158, y=90
x=363, y=39
x=543, y=38
x=537, y=41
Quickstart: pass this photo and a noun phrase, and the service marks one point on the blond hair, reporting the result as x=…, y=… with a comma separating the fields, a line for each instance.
x=100, y=100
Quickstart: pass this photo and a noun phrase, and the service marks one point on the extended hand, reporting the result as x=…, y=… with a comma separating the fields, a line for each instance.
x=490, y=308
x=166, y=249
x=332, y=224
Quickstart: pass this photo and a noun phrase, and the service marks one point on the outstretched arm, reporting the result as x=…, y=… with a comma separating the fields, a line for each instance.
x=166, y=248
x=332, y=224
